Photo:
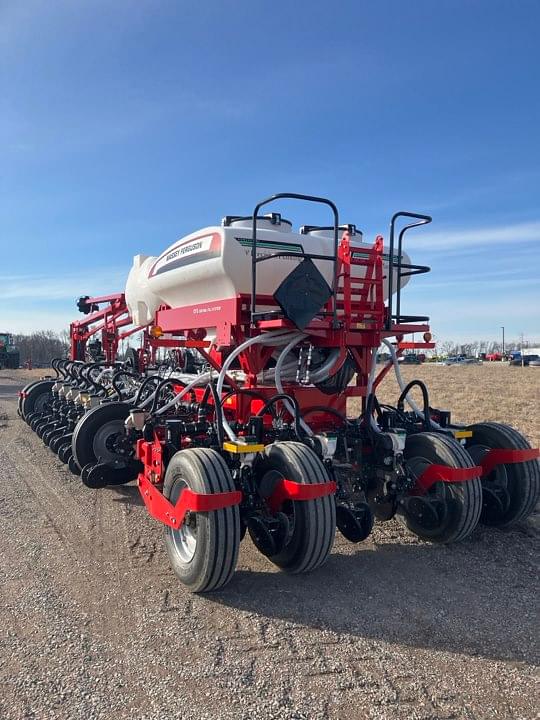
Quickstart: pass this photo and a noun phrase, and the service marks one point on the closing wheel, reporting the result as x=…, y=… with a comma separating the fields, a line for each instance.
x=312, y=523
x=510, y=492
x=37, y=397
x=447, y=512
x=59, y=440
x=131, y=360
x=65, y=452
x=203, y=552
x=95, y=435
x=22, y=394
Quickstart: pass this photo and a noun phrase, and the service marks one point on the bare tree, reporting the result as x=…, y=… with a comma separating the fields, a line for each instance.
x=41, y=347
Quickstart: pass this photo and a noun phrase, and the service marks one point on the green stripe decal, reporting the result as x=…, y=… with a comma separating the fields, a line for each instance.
x=271, y=245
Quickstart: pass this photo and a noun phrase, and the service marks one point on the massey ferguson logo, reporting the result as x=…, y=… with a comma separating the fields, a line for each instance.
x=186, y=253
x=184, y=250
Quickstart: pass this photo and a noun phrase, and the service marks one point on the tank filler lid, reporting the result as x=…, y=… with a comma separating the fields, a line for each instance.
x=327, y=231
x=270, y=221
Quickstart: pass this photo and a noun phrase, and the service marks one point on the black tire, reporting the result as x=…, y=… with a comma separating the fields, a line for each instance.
x=65, y=452
x=203, y=553
x=313, y=522
x=43, y=427
x=23, y=392
x=518, y=484
x=89, y=436
x=38, y=395
x=49, y=436
x=57, y=441
x=461, y=502
x=36, y=421
x=131, y=360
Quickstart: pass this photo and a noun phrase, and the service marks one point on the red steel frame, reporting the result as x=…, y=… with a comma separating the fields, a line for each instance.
x=362, y=317
x=108, y=320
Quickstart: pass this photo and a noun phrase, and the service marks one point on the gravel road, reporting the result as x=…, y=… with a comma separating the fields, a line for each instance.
x=93, y=623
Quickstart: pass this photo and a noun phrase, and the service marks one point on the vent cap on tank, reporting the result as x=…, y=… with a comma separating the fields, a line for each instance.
x=327, y=231
x=270, y=221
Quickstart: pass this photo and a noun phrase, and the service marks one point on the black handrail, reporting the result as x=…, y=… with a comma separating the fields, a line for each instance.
x=255, y=259
x=416, y=269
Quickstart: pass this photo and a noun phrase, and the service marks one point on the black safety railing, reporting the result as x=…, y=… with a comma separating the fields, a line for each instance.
x=409, y=268
x=312, y=256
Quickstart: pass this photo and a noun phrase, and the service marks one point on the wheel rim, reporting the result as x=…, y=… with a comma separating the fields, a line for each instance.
x=102, y=441
x=41, y=402
x=185, y=538
x=495, y=486
x=429, y=511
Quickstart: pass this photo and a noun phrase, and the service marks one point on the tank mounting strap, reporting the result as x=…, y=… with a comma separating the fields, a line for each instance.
x=503, y=456
x=173, y=515
x=290, y=490
x=444, y=473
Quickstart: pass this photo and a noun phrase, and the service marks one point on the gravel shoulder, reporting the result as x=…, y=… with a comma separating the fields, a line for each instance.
x=94, y=624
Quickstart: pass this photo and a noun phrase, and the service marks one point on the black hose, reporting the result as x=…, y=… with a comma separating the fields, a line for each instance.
x=117, y=375
x=368, y=412
x=163, y=384
x=283, y=396
x=147, y=381
x=98, y=387
x=62, y=365
x=425, y=398
x=54, y=365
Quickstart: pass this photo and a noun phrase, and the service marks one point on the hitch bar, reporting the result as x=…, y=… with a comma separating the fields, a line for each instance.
x=502, y=456
x=436, y=473
x=174, y=515
x=494, y=457
x=290, y=490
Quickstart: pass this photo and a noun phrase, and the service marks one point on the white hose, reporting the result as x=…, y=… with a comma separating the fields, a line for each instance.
x=277, y=337
x=199, y=380
x=402, y=383
x=369, y=388
x=288, y=370
x=279, y=385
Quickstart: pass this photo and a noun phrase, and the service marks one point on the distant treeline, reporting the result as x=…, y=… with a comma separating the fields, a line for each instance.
x=41, y=347
x=472, y=349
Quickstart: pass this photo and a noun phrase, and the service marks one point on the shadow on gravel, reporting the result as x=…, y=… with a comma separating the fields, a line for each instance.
x=126, y=494
x=461, y=599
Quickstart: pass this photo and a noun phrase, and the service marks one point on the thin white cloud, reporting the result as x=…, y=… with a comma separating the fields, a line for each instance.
x=21, y=321
x=465, y=319
x=470, y=283
x=470, y=238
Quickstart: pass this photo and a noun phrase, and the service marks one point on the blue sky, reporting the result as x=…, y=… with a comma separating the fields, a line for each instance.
x=125, y=125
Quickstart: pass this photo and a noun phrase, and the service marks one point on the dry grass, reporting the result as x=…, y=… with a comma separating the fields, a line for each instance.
x=473, y=393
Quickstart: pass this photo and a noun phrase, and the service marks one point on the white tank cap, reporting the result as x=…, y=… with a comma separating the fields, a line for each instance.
x=327, y=231
x=270, y=221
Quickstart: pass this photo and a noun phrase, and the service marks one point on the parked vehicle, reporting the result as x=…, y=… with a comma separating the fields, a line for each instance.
x=516, y=359
x=9, y=354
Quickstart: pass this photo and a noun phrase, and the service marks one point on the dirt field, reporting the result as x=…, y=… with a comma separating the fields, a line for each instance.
x=93, y=623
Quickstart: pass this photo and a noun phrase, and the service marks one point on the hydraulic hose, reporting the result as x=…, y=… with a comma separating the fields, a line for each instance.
x=401, y=384
x=279, y=384
x=277, y=337
x=296, y=412
x=425, y=398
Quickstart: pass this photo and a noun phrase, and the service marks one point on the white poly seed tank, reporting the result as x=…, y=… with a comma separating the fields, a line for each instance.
x=214, y=264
